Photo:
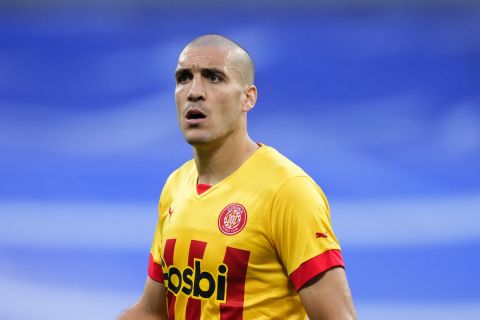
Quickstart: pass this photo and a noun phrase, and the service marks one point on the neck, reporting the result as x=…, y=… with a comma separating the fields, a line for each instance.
x=217, y=161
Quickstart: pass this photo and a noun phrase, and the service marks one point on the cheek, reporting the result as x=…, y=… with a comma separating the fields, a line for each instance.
x=231, y=111
x=228, y=106
x=179, y=100
x=178, y=95
x=232, y=99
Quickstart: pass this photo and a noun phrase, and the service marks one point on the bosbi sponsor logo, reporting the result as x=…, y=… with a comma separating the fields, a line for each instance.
x=196, y=282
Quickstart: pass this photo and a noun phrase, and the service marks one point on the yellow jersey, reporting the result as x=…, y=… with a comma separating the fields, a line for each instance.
x=244, y=247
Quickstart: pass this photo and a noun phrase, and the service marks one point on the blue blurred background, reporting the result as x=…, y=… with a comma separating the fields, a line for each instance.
x=379, y=102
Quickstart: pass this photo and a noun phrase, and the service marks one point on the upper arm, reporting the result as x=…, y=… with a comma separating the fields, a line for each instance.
x=302, y=232
x=309, y=249
x=328, y=296
x=154, y=297
x=151, y=305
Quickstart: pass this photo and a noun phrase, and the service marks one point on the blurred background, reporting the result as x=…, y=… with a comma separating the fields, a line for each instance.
x=378, y=101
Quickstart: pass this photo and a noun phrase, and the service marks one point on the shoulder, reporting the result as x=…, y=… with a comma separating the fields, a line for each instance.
x=290, y=182
x=281, y=162
x=286, y=175
x=301, y=192
x=278, y=179
x=180, y=176
x=182, y=172
x=277, y=167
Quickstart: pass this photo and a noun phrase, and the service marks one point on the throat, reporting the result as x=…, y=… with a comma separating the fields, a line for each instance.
x=216, y=163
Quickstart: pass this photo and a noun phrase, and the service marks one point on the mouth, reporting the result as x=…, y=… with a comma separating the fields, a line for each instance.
x=194, y=116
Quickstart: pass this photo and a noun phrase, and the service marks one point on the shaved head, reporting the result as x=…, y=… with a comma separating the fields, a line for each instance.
x=237, y=55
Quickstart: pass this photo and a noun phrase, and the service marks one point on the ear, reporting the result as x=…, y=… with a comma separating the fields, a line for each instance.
x=250, y=98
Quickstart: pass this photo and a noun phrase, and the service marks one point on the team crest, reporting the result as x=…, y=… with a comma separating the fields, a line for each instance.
x=232, y=219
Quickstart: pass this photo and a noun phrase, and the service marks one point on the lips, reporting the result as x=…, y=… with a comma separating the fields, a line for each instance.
x=195, y=115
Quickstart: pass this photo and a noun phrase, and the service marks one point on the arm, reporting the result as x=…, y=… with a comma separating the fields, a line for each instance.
x=328, y=297
x=309, y=250
x=152, y=304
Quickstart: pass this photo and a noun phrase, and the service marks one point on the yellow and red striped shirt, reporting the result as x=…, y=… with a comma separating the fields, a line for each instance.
x=242, y=248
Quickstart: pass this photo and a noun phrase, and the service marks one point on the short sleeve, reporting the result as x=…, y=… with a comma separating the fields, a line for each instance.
x=302, y=232
x=155, y=261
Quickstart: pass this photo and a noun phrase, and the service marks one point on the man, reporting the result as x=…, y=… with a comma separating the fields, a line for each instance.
x=243, y=233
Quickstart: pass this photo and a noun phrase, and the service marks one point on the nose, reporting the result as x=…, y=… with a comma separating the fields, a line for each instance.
x=197, y=90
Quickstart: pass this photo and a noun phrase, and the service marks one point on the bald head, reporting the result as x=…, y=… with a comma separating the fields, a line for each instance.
x=237, y=55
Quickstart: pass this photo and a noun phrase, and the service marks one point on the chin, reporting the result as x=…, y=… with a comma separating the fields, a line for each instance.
x=195, y=140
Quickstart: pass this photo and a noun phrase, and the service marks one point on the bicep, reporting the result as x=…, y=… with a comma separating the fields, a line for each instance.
x=328, y=296
x=154, y=297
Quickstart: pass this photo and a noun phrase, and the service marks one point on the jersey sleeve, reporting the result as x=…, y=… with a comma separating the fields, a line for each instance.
x=302, y=232
x=155, y=271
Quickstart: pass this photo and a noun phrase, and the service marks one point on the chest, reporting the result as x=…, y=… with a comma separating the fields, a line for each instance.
x=209, y=228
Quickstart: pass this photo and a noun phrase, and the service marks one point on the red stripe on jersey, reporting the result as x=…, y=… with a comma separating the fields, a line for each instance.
x=315, y=266
x=197, y=249
x=237, y=263
x=168, y=258
x=155, y=271
x=202, y=187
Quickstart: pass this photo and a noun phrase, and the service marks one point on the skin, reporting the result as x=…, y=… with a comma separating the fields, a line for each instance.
x=328, y=297
x=214, y=76
x=211, y=79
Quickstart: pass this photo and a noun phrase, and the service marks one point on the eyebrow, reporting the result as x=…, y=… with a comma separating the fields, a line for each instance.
x=202, y=71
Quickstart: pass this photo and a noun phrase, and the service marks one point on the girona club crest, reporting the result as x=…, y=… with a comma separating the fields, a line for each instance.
x=232, y=219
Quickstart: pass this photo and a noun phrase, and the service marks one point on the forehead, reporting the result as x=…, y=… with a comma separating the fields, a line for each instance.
x=203, y=57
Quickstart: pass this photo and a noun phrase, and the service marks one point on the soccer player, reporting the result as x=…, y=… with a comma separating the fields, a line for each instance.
x=243, y=233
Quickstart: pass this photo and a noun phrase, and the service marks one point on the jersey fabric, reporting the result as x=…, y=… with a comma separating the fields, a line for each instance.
x=244, y=247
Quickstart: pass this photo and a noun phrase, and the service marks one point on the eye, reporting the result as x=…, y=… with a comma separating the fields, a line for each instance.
x=214, y=78
x=183, y=77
